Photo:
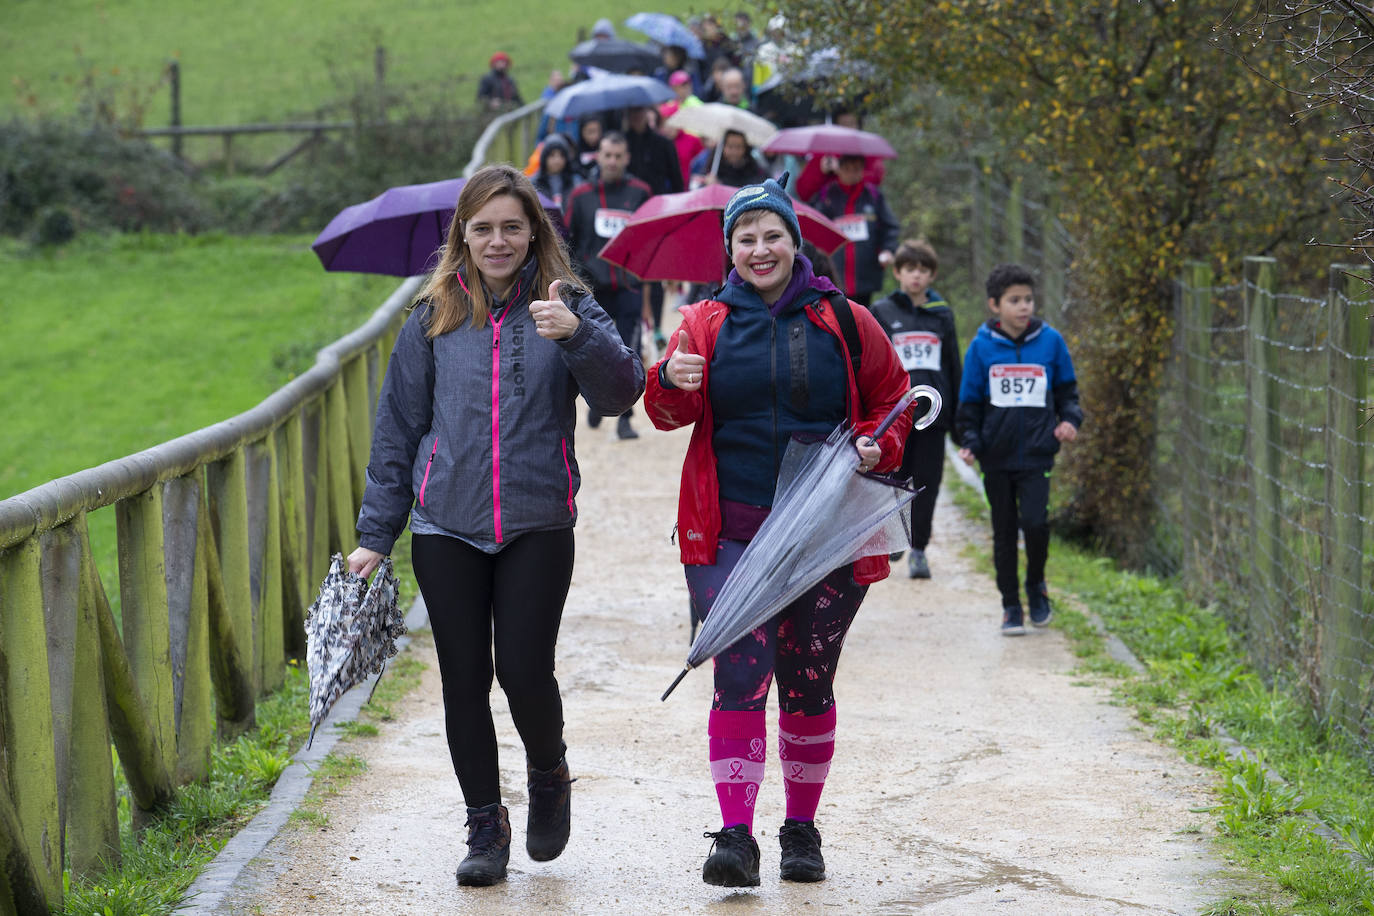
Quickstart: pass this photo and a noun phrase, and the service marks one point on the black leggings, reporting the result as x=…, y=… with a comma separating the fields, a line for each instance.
x=513, y=599
x=1018, y=500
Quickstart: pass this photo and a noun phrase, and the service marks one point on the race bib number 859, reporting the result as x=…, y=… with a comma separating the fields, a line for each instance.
x=1017, y=385
x=918, y=350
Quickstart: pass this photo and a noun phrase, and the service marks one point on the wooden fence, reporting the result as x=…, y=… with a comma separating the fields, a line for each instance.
x=223, y=535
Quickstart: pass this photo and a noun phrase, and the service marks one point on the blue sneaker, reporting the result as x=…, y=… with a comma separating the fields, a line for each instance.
x=1038, y=600
x=1012, y=622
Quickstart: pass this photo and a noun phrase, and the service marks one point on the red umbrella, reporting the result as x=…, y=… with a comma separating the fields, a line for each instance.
x=830, y=140
x=679, y=236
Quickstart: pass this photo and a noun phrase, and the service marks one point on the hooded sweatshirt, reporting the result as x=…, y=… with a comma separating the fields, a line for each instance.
x=474, y=431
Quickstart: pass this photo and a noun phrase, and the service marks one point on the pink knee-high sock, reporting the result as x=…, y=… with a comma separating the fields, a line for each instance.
x=806, y=745
x=739, y=755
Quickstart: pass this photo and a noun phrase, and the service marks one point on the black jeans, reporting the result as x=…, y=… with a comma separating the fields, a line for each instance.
x=1018, y=500
x=923, y=460
x=625, y=306
x=512, y=600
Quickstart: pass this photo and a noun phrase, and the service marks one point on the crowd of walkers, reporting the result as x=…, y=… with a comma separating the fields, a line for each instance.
x=473, y=446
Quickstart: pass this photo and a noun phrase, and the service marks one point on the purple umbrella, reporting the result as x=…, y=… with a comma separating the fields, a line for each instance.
x=398, y=232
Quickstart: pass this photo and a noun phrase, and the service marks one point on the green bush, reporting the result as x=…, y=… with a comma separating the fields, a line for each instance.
x=103, y=180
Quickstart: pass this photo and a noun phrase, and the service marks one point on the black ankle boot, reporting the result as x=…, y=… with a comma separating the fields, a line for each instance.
x=488, y=847
x=801, y=852
x=550, y=817
x=734, y=859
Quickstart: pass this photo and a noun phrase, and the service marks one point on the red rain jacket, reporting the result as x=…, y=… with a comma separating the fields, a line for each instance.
x=879, y=385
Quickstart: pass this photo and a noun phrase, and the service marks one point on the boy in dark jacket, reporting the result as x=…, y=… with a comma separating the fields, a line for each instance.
x=921, y=327
x=1018, y=400
x=866, y=220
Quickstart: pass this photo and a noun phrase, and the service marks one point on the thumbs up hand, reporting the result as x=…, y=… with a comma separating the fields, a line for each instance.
x=685, y=368
x=552, y=319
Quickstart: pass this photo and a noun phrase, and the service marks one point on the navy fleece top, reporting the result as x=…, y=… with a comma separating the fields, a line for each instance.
x=774, y=374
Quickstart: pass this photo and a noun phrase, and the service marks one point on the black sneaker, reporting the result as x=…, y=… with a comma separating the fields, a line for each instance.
x=624, y=430
x=550, y=820
x=734, y=859
x=593, y=418
x=488, y=847
x=1012, y=622
x=916, y=565
x=1038, y=603
x=801, y=852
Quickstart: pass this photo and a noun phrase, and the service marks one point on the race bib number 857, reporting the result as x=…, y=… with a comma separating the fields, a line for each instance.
x=1017, y=385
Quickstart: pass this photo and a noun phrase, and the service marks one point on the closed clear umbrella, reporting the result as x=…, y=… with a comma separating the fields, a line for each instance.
x=350, y=632
x=825, y=514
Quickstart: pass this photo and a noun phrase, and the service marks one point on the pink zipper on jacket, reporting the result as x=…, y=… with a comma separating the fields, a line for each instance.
x=432, y=452
x=496, y=412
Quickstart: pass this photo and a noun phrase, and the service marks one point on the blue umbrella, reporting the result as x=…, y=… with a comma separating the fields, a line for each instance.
x=607, y=92
x=615, y=54
x=667, y=30
x=398, y=232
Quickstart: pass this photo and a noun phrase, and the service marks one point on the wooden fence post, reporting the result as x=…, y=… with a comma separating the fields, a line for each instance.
x=29, y=761
x=343, y=520
x=143, y=596
x=1344, y=629
x=295, y=581
x=264, y=526
x=226, y=481
x=1052, y=271
x=85, y=775
x=1196, y=337
x=315, y=464
x=21, y=892
x=188, y=605
x=174, y=79
x=1266, y=610
x=359, y=422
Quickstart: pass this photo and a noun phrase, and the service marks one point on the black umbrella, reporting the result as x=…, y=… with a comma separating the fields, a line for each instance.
x=825, y=514
x=616, y=55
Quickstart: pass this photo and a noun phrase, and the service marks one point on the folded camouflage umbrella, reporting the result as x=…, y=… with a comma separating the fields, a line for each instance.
x=351, y=631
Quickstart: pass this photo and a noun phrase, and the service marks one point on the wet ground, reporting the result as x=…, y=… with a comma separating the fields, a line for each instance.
x=973, y=773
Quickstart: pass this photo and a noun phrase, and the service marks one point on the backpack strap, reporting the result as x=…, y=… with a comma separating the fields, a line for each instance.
x=844, y=314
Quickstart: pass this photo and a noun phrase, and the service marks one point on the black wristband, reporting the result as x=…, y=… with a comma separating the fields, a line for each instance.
x=663, y=375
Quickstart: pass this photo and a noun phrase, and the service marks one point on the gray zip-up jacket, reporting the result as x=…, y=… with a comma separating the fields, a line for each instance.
x=474, y=431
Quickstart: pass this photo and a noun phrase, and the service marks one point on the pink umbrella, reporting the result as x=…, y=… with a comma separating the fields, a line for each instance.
x=830, y=140
x=679, y=236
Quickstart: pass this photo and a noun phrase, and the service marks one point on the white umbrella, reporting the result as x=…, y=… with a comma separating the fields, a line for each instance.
x=711, y=120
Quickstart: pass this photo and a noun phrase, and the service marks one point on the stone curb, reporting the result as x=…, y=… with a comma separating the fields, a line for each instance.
x=206, y=895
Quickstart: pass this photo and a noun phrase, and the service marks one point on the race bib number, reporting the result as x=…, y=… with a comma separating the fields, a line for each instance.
x=918, y=350
x=610, y=222
x=1017, y=385
x=854, y=227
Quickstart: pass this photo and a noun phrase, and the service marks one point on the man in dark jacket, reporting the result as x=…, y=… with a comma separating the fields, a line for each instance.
x=595, y=213
x=864, y=217
x=653, y=157
x=497, y=90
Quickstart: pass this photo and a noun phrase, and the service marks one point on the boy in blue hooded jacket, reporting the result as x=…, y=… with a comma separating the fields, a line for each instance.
x=1018, y=400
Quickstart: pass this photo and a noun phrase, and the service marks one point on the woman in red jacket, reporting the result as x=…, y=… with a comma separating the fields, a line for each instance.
x=764, y=361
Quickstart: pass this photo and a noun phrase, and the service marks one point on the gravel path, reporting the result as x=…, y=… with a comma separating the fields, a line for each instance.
x=971, y=770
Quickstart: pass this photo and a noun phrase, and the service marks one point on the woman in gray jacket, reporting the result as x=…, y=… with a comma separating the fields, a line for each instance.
x=474, y=443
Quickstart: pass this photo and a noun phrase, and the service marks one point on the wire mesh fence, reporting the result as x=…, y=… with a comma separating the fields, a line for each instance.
x=1265, y=455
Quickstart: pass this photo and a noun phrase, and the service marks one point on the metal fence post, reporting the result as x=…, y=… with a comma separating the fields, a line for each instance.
x=1196, y=338
x=1344, y=629
x=1261, y=310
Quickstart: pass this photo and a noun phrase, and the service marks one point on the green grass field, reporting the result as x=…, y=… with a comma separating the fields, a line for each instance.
x=258, y=60
x=116, y=344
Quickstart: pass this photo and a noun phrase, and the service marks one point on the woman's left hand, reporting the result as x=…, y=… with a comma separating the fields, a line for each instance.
x=870, y=453
x=552, y=319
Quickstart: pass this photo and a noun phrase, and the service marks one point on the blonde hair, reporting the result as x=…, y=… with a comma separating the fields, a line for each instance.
x=452, y=300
